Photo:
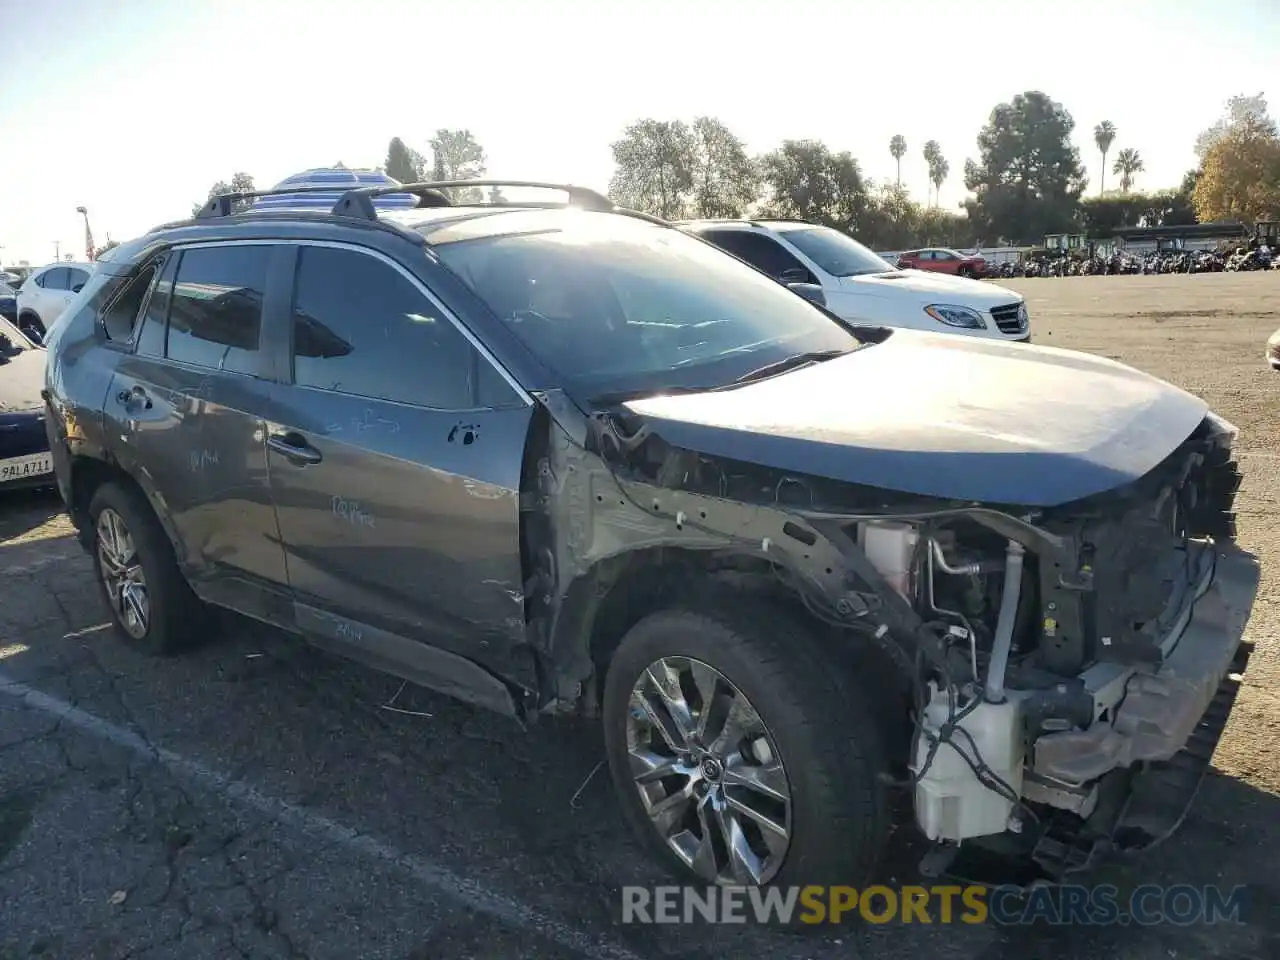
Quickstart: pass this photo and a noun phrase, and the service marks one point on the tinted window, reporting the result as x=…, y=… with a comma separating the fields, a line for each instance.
x=762, y=252
x=55, y=279
x=121, y=315
x=76, y=278
x=835, y=252
x=151, y=338
x=361, y=327
x=943, y=255
x=617, y=305
x=215, y=315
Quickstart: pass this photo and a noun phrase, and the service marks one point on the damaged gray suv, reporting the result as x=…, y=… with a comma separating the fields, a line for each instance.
x=556, y=457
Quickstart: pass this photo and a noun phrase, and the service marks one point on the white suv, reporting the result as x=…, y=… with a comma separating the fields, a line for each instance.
x=857, y=285
x=46, y=293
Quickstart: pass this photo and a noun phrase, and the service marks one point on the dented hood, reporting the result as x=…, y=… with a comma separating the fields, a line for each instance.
x=950, y=417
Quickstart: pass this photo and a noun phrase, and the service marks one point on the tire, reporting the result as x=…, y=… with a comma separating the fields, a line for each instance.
x=814, y=722
x=30, y=324
x=175, y=618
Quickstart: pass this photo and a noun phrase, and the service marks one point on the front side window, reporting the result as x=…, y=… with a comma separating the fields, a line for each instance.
x=838, y=254
x=361, y=327
x=215, y=312
x=619, y=306
x=76, y=278
x=762, y=252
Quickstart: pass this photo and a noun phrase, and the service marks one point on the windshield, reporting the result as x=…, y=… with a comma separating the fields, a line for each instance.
x=620, y=307
x=836, y=253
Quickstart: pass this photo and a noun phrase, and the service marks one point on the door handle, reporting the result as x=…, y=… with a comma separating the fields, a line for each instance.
x=294, y=448
x=137, y=394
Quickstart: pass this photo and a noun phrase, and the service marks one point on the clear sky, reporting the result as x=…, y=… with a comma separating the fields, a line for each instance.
x=135, y=107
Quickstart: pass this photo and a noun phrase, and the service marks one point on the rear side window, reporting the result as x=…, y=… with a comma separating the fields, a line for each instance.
x=55, y=279
x=121, y=315
x=215, y=310
x=361, y=327
x=151, y=337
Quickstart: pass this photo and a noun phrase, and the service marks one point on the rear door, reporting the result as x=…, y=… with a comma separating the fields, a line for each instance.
x=44, y=291
x=395, y=460
x=189, y=398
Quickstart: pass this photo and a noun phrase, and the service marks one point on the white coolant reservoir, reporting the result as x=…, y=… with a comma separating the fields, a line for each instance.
x=951, y=803
x=890, y=545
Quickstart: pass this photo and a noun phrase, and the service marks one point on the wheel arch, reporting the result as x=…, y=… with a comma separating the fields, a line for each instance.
x=601, y=606
x=88, y=474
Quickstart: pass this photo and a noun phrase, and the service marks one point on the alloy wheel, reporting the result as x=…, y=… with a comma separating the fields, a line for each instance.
x=708, y=772
x=122, y=574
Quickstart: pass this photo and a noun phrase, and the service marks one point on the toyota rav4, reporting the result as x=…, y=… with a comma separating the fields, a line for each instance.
x=557, y=457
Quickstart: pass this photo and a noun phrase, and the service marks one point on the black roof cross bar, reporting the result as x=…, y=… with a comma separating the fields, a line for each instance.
x=358, y=201
x=221, y=205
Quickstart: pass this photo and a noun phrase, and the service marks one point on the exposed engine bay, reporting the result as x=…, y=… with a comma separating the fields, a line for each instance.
x=1056, y=655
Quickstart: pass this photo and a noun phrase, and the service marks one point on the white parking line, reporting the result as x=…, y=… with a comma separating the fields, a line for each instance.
x=440, y=878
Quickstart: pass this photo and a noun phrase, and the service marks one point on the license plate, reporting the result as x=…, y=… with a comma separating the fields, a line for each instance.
x=23, y=468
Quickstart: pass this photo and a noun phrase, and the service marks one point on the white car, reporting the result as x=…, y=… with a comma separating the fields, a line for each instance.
x=46, y=293
x=857, y=285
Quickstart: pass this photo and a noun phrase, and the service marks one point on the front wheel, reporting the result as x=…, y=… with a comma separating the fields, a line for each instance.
x=739, y=755
x=31, y=328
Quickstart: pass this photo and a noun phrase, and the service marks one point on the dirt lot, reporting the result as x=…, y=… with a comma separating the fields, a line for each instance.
x=256, y=798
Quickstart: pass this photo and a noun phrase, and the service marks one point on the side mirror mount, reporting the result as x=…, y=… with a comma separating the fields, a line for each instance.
x=77, y=288
x=795, y=275
x=810, y=291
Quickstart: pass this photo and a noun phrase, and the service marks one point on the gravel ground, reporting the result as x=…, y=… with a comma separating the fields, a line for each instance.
x=257, y=799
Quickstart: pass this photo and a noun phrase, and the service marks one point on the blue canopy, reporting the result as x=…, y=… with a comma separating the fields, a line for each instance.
x=342, y=180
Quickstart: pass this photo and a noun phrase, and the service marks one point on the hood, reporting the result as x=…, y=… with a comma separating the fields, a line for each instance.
x=21, y=379
x=941, y=416
x=932, y=288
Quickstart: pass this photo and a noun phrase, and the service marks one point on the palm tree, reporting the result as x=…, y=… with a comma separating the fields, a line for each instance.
x=932, y=154
x=898, y=148
x=1128, y=163
x=1104, y=134
x=938, y=171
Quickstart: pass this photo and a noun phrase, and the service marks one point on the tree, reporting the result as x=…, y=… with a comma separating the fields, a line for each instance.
x=1240, y=109
x=939, y=168
x=404, y=164
x=240, y=183
x=1240, y=178
x=1104, y=134
x=1128, y=163
x=898, y=150
x=807, y=180
x=725, y=181
x=457, y=155
x=932, y=156
x=109, y=245
x=654, y=167
x=1028, y=179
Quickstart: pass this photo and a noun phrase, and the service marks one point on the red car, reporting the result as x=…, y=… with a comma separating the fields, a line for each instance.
x=942, y=260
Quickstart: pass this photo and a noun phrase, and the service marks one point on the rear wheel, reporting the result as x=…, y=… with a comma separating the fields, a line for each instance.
x=152, y=606
x=738, y=755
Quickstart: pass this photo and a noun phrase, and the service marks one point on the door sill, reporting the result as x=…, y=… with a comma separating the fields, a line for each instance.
x=407, y=659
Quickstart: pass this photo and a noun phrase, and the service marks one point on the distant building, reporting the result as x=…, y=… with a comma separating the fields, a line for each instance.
x=1194, y=236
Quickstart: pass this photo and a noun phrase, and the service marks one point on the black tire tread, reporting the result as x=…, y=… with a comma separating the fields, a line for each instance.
x=179, y=619
x=826, y=710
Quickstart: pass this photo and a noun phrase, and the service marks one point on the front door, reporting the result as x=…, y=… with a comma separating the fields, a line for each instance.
x=190, y=400
x=395, y=461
